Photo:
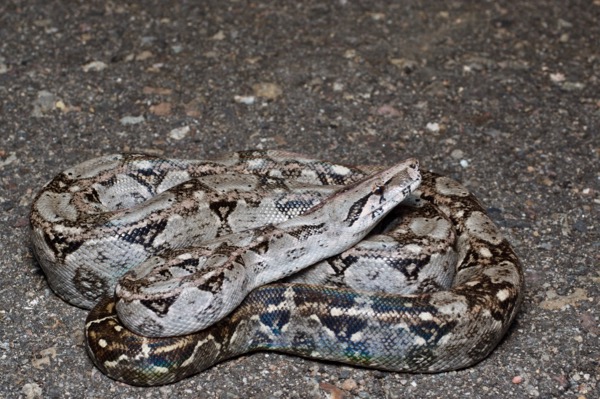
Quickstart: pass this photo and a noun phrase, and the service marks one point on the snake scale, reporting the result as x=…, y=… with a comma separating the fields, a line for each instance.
x=187, y=263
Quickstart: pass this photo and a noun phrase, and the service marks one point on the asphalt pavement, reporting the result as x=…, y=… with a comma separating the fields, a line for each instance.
x=501, y=95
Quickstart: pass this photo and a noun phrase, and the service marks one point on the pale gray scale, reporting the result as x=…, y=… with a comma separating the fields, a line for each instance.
x=137, y=227
x=89, y=284
x=124, y=193
x=162, y=175
x=172, y=179
x=108, y=257
x=94, y=167
x=229, y=182
x=482, y=227
x=256, y=206
x=449, y=187
x=298, y=201
x=145, y=177
x=502, y=273
x=135, y=214
x=251, y=215
x=200, y=304
x=64, y=279
x=303, y=169
x=182, y=228
x=211, y=255
x=462, y=323
x=437, y=228
x=400, y=272
x=413, y=252
x=272, y=206
x=282, y=249
x=203, y=293
x=395, y=268
x=56, y=207
x=109, y=182
x=155, y=268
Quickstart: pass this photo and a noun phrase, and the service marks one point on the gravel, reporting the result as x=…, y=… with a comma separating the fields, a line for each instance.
x=501, y=95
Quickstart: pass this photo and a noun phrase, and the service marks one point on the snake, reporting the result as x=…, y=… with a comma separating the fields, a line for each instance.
x=187, y=263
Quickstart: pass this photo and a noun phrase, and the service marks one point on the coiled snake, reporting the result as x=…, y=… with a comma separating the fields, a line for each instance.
x=197, y=251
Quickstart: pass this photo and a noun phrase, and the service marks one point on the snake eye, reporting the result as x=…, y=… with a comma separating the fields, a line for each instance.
x=378, y=190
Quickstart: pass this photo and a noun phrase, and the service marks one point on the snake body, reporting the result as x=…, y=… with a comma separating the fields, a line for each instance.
x=197, y=250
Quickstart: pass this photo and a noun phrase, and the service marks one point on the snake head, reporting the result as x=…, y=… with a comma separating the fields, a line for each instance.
x=357, y=208
x=388, y=189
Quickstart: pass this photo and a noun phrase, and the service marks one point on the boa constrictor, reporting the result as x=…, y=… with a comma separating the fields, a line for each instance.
x=183, y=261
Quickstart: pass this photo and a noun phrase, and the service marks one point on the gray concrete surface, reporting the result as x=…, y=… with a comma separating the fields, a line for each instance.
x=501, y=95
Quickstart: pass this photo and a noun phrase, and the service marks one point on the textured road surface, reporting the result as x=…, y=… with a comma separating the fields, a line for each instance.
x=502, y=95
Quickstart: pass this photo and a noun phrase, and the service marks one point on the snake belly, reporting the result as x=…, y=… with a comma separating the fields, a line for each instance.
x=449, y=307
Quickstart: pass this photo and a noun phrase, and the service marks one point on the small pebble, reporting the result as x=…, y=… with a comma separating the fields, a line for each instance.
x=349, y=385
x=433, y=127
x=248, y=100
x=517, y=379
x=179, y=133
x=94, y=66
x=572, y=86
x=269, y=91
x=3, y=66
x=61, y=106
x=388, y=110
x=557, y=77
x=131, y=120
x=44, y=102
x=161, y=109
x=32, y=391
x=218, y=36
x=12, y=157
x=457, y=154
x=144, y=55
